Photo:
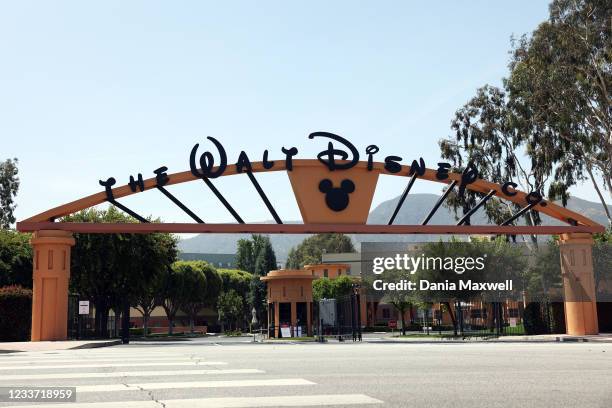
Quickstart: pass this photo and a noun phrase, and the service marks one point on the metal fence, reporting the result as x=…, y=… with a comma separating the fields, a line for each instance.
x=496, y=319
x=84, y=326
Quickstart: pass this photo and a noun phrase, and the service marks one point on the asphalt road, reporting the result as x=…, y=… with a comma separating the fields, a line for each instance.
x=232, y=373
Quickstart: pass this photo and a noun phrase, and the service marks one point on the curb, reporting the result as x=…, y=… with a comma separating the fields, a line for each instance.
x=90, y=345
x=96, y=345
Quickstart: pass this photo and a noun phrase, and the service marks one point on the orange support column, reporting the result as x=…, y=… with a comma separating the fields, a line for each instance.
x=363, y=303
x=579, y=284
x=51, y=275
x=276, y=317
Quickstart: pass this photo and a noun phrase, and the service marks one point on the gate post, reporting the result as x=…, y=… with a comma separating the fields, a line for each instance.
x=51, y=274
x=576, y=251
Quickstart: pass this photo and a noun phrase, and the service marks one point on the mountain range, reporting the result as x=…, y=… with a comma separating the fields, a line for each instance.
x=414, y=210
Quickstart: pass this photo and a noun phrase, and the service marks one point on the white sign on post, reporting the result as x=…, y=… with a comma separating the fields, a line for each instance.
x=83, y=307
x=286, y=331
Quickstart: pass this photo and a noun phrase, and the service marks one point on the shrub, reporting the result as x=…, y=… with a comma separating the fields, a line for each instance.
x=15, y=313
x=136, y=331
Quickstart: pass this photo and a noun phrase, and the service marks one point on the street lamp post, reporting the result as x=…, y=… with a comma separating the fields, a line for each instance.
x=356, y=301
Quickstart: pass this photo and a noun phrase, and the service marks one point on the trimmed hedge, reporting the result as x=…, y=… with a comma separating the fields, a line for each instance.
x=15, y=313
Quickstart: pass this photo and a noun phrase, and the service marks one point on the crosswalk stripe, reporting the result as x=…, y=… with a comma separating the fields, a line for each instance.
x=4, y=363
x=182, y=363
x=76, y=353
x=192, y=384
x=100, y=352
x=230, y=402
x=58, y=376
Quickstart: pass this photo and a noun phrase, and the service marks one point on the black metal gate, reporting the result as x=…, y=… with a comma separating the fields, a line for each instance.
x=346, y=322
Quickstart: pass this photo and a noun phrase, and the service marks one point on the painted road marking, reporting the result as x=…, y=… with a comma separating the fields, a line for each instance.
x=76, y=354
x=231, y=402
x=6, y=363
x=182, y=363
x=183, y=373
x=193, y=384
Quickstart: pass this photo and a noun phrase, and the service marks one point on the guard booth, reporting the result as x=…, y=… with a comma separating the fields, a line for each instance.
x=289, y=302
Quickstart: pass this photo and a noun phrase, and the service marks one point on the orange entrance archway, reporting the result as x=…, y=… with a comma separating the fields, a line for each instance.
x=330, y=200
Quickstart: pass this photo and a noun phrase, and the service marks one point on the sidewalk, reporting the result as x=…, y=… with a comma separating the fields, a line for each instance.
x=17, y=346
x=599, y=338
x=543, y=338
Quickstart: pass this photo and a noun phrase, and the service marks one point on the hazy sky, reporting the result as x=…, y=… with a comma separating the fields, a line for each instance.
x=92, y=91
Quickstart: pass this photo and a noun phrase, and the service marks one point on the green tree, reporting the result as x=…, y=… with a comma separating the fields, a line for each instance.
x=550, y=126
x=195, y=287
x=264, y=263
x=112, y=269
x=230, y=307
x=401, y=300
x=266, y=258
x=172, y=287
x=487, y=135
x=325, y=288
x=310, y=251
x=322, y=288
x=235, y=279
x=160, y=253
x=559, y=89
x=502, y=260
x=256, y=256
x=544, y=272
x=214, y=284
x=146, y=301
x=94, y=260
x=15, y=259
x=244, y=255
x=142, y=259
x=15, y=313
x=9, y=185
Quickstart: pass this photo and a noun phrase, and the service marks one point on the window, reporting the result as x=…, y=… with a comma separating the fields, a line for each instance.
x=513, y=312
x=437, y=314
x=339, y=272
x=301, y=291
x=386, y=313
x=325, y=273
x=284, y=291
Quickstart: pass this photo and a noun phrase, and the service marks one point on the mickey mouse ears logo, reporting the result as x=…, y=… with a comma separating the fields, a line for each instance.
x=336, y=198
